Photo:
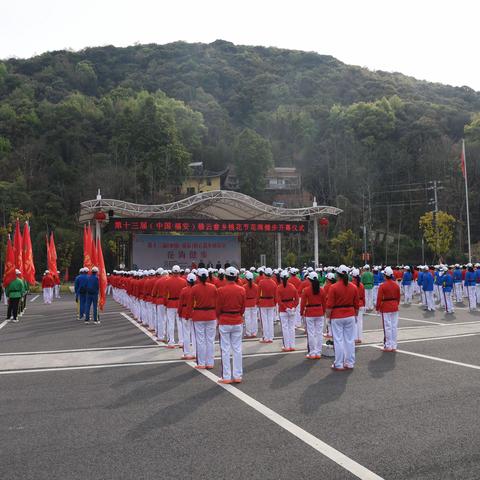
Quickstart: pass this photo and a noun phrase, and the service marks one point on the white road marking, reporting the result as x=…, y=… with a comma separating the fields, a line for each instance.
x=461, y=335
x=78, y=350
x=437, y=359
x=409, y=319
x=34, y=298
x=338, y=457
x=4, y=323
x=142, y=328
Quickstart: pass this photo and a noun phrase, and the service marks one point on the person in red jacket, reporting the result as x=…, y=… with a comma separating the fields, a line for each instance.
x=173, y=286
x=158, y=294
x=361, y=302
x=342, y=308
x=230, y=310
x=330, y=280
x=251, y=312
x=388, y=300
x=312, y=308
x=287, y=300
x=203, y=302
x=267, y=290
x=185, y=314
x=48, y=283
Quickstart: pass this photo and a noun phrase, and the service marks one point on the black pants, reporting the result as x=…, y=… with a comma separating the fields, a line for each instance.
x=13, y=307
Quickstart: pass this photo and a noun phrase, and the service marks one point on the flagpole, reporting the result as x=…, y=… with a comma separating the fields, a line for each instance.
x=466, y=200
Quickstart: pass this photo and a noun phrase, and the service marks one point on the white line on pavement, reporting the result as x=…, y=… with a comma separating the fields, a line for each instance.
x=78, y=350
x=4, y=323
x=143, y=329
x=461, y=335
x=409, y=319
x=338, y=457
x=437, y=359
x=34, y=298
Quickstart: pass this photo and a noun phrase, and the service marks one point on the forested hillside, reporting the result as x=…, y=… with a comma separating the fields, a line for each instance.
x=129, y=120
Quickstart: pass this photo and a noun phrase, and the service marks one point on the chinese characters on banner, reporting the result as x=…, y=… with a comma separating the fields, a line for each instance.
x=204, y=226
x=153, y=251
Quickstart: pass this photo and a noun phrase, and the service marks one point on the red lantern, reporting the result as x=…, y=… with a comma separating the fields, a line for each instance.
x=100, y=216
x=323, y=222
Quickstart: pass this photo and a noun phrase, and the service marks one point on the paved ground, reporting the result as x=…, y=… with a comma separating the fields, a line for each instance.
x=107, y=402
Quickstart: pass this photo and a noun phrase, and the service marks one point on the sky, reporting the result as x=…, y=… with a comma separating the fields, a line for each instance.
x=430, y=40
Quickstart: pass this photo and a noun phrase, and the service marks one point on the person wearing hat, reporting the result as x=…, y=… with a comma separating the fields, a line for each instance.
x=230, y=309
x=355, y=273
x=447, y=287
x=14, y=292
x=185, y=314
x=203, y=302
x=342, y=308
x=47, y=287
x=457, y=283
x=173, y=286
x=470, y=286
x=287, y=300
x=367, y=282
x=388, y=300
x=377, y=281
x=81, y=291
x=220, y=280
x=407, y=283
x=427, y=287
x=93, y=288
x=267, y=290
x=330, y=279
x=251, y=311
x=477, y=281
x=312, y=308
x=158, y=298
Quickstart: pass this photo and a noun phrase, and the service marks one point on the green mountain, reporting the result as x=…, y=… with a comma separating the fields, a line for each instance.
x=129, y=120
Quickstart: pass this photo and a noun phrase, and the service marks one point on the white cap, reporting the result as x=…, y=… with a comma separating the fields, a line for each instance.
x=388, y=271
x=284, y=274
x=202, y=272
x=355, y=272
x=249, y=276
x=469, y=265
x=425, y=267
x=457, y=265
x=187, y=270
x=18, y=272
x=191, y=278
x=252, y=269
x=342, y=269
x=159, y=271
x=221, y=271
x=330, y=276
x=47, y=271
x=95, y=269
x=268, y=272
x=406, y=267
x=231, y=272
x=152, y=272
x=312, y=276
x=260, y=269
x=366, y=266
x=175, y=269
x=477, y=265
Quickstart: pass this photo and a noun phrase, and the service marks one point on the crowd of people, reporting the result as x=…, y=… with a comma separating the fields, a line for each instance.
x=183, y=307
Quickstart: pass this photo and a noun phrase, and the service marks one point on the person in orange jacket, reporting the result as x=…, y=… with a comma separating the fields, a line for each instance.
x=251, y=312
x=312, y=308
x=173, y=287
x=185, y=314
x=287, y=300
x=267, y=304
x=203, y=303
x=361, y=303
x=388, y=300
x=230, y=310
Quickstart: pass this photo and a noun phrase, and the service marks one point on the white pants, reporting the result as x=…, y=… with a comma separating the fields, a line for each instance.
x=231, y=342
x=369, y=299
x=161, y=323
x=188, y=337
x=359, y=324
x=288, y=328
x=390, y=329
x=172, y=318
x=57, y=291
x=109, y=290
x=314, y=334
x=437, y=293
x=465, y=292
x=472, y=297
x=447, y=301
x=408, y=289
x=343, y=330
x=375, y=294
x=251, y=321
x=205, y=339
x=298, y=317
x=48, y=295
x=458, y=292
x=429, y=301
x=267, y=315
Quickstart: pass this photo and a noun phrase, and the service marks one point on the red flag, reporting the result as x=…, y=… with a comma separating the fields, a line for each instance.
x=9, y=271
x=102, y=277
x=93, y=251
x=462, y=161
x=28, y=264
x=52, y=256
x=87, y=247
x=18, y=247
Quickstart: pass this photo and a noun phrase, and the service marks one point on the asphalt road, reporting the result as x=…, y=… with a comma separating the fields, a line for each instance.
x=399, y=415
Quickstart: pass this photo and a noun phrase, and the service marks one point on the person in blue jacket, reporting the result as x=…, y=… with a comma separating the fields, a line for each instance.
x=407, y=283
x=93, y=288
x=470, y=285
x=419, y=284
x=477, y=281
x=437, y=289
x=457, y=283
x=447, y=287
x=427, y=287
x=81, y=291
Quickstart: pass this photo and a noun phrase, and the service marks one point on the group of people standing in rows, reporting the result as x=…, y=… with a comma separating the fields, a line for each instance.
x=196, y=302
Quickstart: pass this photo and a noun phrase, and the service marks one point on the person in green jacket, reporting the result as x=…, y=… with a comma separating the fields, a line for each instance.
x=367, y=281
x=15, y=291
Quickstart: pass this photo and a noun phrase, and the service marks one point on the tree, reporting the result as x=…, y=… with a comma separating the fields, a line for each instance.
x=346, y=245
x=290, y=259
x=438, y=229
x=253, y=158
